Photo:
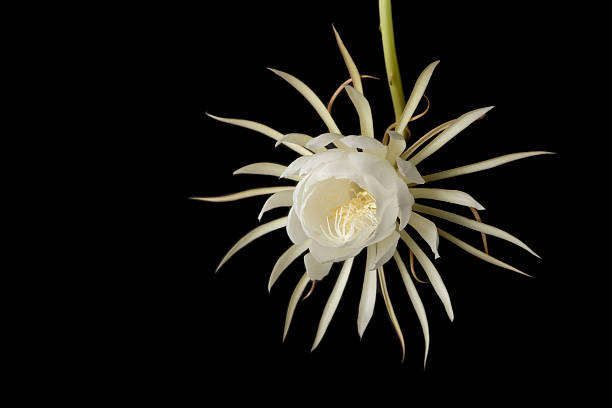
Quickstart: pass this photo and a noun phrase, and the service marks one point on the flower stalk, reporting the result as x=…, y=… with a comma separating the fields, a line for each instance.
x=392, y=67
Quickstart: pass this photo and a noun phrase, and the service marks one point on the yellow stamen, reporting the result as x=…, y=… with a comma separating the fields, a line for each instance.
x=350, y=218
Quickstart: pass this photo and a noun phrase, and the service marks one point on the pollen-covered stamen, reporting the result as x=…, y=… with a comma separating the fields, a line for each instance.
x=351, y=217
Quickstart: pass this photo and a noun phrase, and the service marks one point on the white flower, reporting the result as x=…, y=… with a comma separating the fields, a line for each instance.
x=360, y=195
x=347, y=200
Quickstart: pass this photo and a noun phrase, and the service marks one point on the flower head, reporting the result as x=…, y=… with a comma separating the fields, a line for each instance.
x=356, y=193
x=347, y=200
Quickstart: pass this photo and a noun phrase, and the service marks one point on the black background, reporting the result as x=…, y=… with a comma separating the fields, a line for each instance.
x=197, y=331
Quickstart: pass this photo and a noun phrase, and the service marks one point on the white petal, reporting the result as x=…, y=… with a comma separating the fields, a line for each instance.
x=321, y=141
x=352, y=68
x=483, y=165
x=397, y=144
x=427, y=230
x=295, y=297
x=244, y=194
x=253, y=235
x=405, y=202
x=461, y=123
x=363, y=110
x=325, y=254
x=432, y=273
x=368, y=293
x=449, y=196
x=478, y=253
x=384, y=250
x=415, y=299
x=304, y=165
x=415, y=96
x=315, y=269
x=299, y=139
x=264, y=169
x=294, y=228
x=363, y=142
x=312, y=98
x=472, y=224
x=408, y=170
x=280, y=199
x=285, y=260
x=294, y=169
x=332, y=302
x=268, y=131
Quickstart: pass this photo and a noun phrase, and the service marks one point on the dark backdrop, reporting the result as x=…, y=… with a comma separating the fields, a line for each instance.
x=204, y=330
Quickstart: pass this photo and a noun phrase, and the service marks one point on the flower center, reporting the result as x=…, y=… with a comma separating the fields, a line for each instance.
x=350, y=218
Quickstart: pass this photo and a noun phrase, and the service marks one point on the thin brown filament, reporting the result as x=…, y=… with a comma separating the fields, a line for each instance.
x=341, y=87
x=484, y=236
x=311, y=289
x=412, y=269
x=409, y=135
x=420, y=115
x=387, y=299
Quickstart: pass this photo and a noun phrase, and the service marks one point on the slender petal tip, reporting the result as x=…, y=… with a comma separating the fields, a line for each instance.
x=486, y=110
x=361, y=329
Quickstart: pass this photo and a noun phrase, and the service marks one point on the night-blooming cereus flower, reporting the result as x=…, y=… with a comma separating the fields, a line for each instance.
x=355, y=194
x=346, y=201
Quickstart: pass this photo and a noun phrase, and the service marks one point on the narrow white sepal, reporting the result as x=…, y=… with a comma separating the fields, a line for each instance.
x=264, y=169
x=244, y=194
x=432, y=273
x=263, y=129
x=449, y=196
x=352, y=68
x=478, y=253
x=368, y=294
x=473, y=224
x=253, y=235
x=311, y=97
x=299, y=139
x=363, y=110
x=480, y=166
x=409, y=171
x=285, y=260
x=427, y=230
x=280, y=199
x=461, y=123
x=415, y=97
x=416, y=301
x=295, y=298
x=392, y=316
x=332, y=302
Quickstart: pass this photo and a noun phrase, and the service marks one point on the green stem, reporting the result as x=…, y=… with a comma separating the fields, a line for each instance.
x=393, y=74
